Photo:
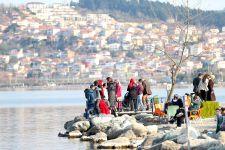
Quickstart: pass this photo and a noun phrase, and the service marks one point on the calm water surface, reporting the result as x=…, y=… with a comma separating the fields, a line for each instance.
x=31, y=120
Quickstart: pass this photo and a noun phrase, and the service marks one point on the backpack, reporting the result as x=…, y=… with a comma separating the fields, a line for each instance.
x=133, y=92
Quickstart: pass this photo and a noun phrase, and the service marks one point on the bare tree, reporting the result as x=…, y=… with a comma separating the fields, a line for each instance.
x=184, y=43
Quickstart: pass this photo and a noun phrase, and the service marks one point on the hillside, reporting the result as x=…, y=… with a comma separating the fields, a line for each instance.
x=139, y=10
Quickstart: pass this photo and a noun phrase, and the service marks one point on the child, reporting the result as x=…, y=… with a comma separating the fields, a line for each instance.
x=103, y=107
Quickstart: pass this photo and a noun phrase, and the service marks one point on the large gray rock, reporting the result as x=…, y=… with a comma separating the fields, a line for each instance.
x=221, y=136
x=86, y=138
x=103, y=120
x=139, y=129
x=209, y=144
x=75, y=134
x=170, y=145
x=121, y=142
x=115, y=131
x=69, y=124
x=152, y=129
x=79, y=118
x=193, y=134
x=82, y=126
x=129, y=134
x=99, y=137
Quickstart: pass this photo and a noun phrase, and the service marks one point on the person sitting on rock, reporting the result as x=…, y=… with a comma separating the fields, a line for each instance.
x=179, y=116
x=176, y=100
x=90, y=101
x=196, y=103
x=103, y=106
x=221, y=120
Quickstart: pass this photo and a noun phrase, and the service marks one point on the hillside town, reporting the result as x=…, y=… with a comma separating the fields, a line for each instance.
x=59, y=44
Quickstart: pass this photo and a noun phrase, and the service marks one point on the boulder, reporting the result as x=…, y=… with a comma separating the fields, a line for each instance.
x=128, y=134
x=75, y=134
x=170, y=145
x=212, y=144
x=115, y=131
x=101, y=120
x=79, y=118
x=82, y=126
x=99, y=137
x=86, y=138
x=121, y=142
x=152, y=129
x=68, y=124
x=221, y=136
x=95, y=129
x=143, y=115
x=139, y=129
x=193, y=134
x=148, y=141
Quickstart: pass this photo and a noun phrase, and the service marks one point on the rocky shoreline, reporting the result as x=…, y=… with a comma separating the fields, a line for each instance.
x=143, y=131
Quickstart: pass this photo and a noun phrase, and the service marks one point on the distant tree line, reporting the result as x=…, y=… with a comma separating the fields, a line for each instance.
x=145, y=10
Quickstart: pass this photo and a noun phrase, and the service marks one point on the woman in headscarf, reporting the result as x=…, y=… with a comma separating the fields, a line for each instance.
x=133, y=93
x=210, y=94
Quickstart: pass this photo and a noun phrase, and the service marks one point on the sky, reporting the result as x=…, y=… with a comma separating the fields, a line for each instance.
x=202, y=4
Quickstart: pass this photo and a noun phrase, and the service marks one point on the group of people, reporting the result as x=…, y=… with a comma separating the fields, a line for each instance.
x=107, y=98
x=204, y=87
x=103, y=98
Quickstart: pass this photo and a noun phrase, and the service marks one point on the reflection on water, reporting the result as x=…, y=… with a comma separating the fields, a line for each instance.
x=37, y=128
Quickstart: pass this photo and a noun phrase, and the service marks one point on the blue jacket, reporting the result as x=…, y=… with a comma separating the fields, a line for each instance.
x=89, y=95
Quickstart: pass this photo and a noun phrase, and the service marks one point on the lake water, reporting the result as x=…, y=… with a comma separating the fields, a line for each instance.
x=32, y=119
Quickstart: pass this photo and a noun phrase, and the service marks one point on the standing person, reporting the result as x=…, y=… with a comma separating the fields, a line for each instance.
x=105, y=91
x=196, y=82
x=96, y=90
x=111, y=88
x=103, y=106
x=119, y=95
x=146, y=92
x=203, y=87
x=140, y=94
x=132, y=89
x=210, y=94
x=90, y=101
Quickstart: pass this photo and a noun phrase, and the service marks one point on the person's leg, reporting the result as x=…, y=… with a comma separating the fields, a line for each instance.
x=179, y=121
x=135, y=105
x=131, y=104
x=147, y=103
x=144, y=101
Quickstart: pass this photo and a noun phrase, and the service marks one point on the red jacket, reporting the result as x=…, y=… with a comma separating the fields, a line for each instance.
x=104, y=108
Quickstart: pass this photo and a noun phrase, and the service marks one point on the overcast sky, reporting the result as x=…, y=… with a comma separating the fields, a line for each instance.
x=203, y=4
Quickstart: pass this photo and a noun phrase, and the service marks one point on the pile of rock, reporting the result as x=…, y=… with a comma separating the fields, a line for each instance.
x=138, y=131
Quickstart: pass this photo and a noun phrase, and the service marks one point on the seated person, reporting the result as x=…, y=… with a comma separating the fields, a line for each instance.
x=90, y=101
x=103, y=106
x=220, y=120
x=179, y=116
x=196, y=103
x=176, y=100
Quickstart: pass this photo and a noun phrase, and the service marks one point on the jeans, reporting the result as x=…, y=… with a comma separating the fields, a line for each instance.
x=139, y=102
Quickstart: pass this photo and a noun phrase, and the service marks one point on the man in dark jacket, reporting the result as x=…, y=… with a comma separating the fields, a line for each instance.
x=196, y=82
